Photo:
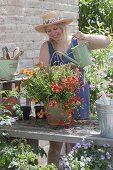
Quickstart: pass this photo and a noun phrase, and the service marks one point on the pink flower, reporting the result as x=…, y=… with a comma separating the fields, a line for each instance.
x=92, y=86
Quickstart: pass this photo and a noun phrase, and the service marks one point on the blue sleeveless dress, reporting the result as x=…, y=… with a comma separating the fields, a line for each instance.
x=55, y=59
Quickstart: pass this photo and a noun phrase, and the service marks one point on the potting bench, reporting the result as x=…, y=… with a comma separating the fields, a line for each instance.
x=40, y=130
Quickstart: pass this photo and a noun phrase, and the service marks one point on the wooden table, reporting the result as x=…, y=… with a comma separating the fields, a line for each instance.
x=40, y=130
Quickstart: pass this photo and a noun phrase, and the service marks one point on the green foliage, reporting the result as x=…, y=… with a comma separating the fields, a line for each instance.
x=100, y=74
x=5, y=120
x=48, y=167
x=5, y=113
x=96, y=16
x=18, y=155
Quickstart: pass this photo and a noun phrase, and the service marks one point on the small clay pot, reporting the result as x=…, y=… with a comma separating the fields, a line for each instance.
x=39, y=112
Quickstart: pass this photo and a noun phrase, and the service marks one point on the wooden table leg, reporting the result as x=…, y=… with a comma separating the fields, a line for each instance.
x=1, y=87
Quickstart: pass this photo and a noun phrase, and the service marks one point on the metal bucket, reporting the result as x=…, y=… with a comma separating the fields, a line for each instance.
x=105, y=117
x=7, y=69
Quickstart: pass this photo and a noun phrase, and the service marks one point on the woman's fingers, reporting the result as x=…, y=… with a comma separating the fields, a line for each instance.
x=79, y=35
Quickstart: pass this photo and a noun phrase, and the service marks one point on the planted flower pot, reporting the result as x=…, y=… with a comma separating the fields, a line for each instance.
x=26, y=112
x=39, y=112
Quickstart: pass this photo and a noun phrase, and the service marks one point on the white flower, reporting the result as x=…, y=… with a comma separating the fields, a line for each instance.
x=82, y=164
x=88, y=159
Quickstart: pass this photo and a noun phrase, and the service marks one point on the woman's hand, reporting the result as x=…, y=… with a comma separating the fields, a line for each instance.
x=80, y=37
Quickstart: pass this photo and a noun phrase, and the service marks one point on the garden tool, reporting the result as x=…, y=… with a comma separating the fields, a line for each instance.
x=5, y=53
x=17, y=53
x=16, y=57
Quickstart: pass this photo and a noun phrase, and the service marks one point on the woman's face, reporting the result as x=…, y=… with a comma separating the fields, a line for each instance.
x=54, y=32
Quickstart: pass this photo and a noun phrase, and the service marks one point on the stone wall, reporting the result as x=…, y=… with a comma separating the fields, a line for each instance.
x=18, y=19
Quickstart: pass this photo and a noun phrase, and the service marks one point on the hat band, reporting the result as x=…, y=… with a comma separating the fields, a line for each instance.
x=52, y=20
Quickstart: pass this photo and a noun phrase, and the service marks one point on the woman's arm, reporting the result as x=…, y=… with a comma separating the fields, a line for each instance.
x=94, y=41
x=44, y=56
x=97, y=41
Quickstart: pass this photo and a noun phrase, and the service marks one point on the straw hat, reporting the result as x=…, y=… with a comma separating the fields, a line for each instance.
x=51, y=18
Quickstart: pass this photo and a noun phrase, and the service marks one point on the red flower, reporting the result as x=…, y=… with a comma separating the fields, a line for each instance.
x=74, y=99
x=53, y=103
x=71, y=120
x=70, y=111
x=56, y=88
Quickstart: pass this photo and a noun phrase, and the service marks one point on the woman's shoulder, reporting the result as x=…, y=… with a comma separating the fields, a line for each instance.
x=44, y=44
x=44, y=53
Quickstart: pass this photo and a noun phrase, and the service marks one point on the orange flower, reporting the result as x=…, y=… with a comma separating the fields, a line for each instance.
x=27, y=72
x=40, y=114
x=17, y=88
x=35, y=100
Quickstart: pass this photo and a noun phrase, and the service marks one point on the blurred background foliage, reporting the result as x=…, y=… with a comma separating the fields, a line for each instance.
x=97, y=17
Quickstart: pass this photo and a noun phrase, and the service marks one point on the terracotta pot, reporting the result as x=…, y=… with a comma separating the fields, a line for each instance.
x=56, y=115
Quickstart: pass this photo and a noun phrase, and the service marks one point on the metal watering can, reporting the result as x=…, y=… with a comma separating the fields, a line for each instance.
x=81, y=55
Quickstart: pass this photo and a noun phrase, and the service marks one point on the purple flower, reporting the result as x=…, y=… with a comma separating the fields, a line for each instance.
x=77, y=145
x=64, y=163
x=106, y=145
x=102, y=157
x=86, y=145
x=92, y=86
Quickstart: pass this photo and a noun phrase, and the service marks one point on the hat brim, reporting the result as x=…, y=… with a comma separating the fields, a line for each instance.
x=41, y=28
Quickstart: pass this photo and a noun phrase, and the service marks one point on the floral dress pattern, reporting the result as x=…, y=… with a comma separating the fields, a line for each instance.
x=55, y=59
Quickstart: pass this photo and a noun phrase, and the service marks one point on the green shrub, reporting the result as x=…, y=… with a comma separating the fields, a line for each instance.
x=96, y=16
x=19, y=155
x=100, y=74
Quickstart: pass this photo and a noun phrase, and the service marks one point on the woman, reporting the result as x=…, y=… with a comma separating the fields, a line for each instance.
x=54, y=25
